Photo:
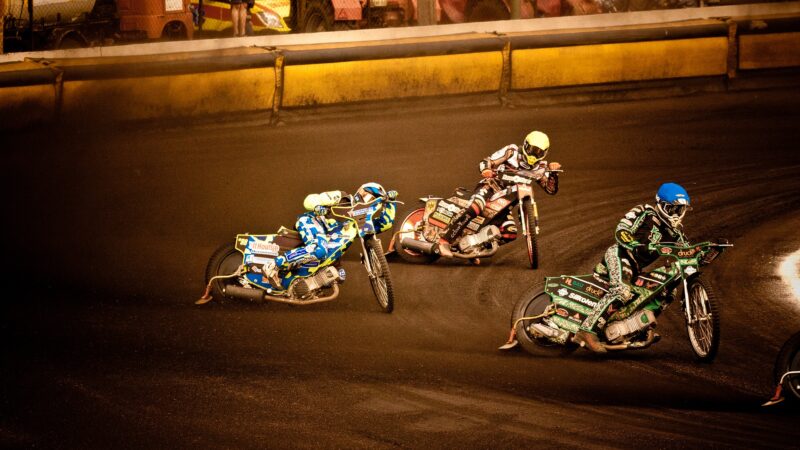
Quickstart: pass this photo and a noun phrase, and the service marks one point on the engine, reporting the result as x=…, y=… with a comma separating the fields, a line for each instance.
x=322, y=279
x=618, y=330
x=484, y=236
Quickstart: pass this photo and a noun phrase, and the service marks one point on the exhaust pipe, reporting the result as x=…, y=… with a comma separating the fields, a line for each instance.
x=254, y=295
x=419, y=246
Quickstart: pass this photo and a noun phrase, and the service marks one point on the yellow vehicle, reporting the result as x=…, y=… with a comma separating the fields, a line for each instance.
x=266, y=16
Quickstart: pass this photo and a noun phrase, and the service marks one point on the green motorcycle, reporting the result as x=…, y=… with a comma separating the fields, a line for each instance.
x=552, y=317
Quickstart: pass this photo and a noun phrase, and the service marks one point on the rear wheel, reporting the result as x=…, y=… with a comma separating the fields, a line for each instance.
x=488, y=10
x=789, y=361
x=380, y=278
x=530, y=239
x=530, y=305
x=319, y=17
x=71, y=42
x=703, y=324
x=226, y=260
x=174, y=31
x=408, y=229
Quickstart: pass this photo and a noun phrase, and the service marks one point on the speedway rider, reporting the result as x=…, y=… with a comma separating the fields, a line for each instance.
x=324, y=236
x=528, y=157
x=643, y=225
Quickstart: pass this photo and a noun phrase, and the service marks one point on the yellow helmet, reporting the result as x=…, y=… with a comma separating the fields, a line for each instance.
x=535, y=146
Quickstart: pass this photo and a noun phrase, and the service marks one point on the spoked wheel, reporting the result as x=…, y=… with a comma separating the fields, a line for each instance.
x=703, y=324
x=409, y=229
x=224, y=261
x=380, y=278
x=789, y=361
x=530, y=305
x=530, y=239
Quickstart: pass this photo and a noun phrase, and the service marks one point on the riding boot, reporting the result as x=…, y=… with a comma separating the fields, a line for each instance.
x=455, y=228
x=589, y=340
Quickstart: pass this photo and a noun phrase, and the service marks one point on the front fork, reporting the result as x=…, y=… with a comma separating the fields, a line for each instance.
x=365, y=256
x=690, y=317
x=524, y=192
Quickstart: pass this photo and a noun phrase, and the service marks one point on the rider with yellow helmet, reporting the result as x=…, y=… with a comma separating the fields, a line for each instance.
x=529, y=156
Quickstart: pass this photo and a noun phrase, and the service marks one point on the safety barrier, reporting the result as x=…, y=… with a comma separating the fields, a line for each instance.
x=235, y=80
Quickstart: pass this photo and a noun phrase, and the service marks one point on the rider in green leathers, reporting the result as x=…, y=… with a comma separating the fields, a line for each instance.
x=623, y=261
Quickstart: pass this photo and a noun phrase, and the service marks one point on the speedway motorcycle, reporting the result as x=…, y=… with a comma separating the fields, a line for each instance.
x=787, y=373
x=419, y=234
x=552, y=316
x=236, y=270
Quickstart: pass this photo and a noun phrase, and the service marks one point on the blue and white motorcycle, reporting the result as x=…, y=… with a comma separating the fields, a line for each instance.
x=236, y=270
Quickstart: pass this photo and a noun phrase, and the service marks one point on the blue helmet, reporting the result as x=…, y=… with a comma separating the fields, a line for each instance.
x=368, y=192
x=672, y=202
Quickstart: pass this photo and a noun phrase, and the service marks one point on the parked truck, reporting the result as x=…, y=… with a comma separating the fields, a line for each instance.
x=327, y=15
x=308, y=16
x=61, y=24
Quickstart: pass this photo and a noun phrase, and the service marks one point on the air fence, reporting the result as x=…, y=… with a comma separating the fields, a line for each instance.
x=273, y=79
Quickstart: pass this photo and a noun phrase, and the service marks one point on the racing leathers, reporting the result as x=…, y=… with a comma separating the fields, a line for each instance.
x=324, y=237
x=624, y=260
x=509, y=157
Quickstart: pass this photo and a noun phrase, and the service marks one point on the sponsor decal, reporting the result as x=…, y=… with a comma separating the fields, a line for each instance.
x=358, y=212
x=516, y=179
x=445, y=206
x=430, y=205
x=689, y=270
x=573, y=282
x=597, y=292
x=655, y=235
x=639, y=282
x=562, y=312
x=258, y=260
x=255, y=269
x=474, y=226
x=437, y=223
x=563, y=292
x=576, y=318
x=658, y=276
x=687, y=253
x=581, y=299
x=243, y=242
x=441, y=218
x=263, y=247
x=666, y=250
x=498, y=204
x=626, y=237
x=553, y=285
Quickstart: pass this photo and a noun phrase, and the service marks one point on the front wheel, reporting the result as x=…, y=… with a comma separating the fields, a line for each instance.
x=530, y=305
x=789, y=361
x=226, y=260
x=703, y=323
x=380, y=278
x=530, y=239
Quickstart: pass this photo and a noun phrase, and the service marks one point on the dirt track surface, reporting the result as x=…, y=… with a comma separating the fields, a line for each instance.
x=110, y=233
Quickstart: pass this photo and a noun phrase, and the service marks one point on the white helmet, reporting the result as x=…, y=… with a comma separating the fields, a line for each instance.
x=535, y=147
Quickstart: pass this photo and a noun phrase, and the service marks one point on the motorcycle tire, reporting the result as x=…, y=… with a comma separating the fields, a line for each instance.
x=530, y=239
x=789, y=361
x=224, y=261
x=380, y=279
x=531, y=304
x=704, y=331
x=410, y=223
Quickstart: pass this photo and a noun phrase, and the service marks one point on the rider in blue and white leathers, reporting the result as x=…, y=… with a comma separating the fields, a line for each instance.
x=623, y=261
x=324, y=236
